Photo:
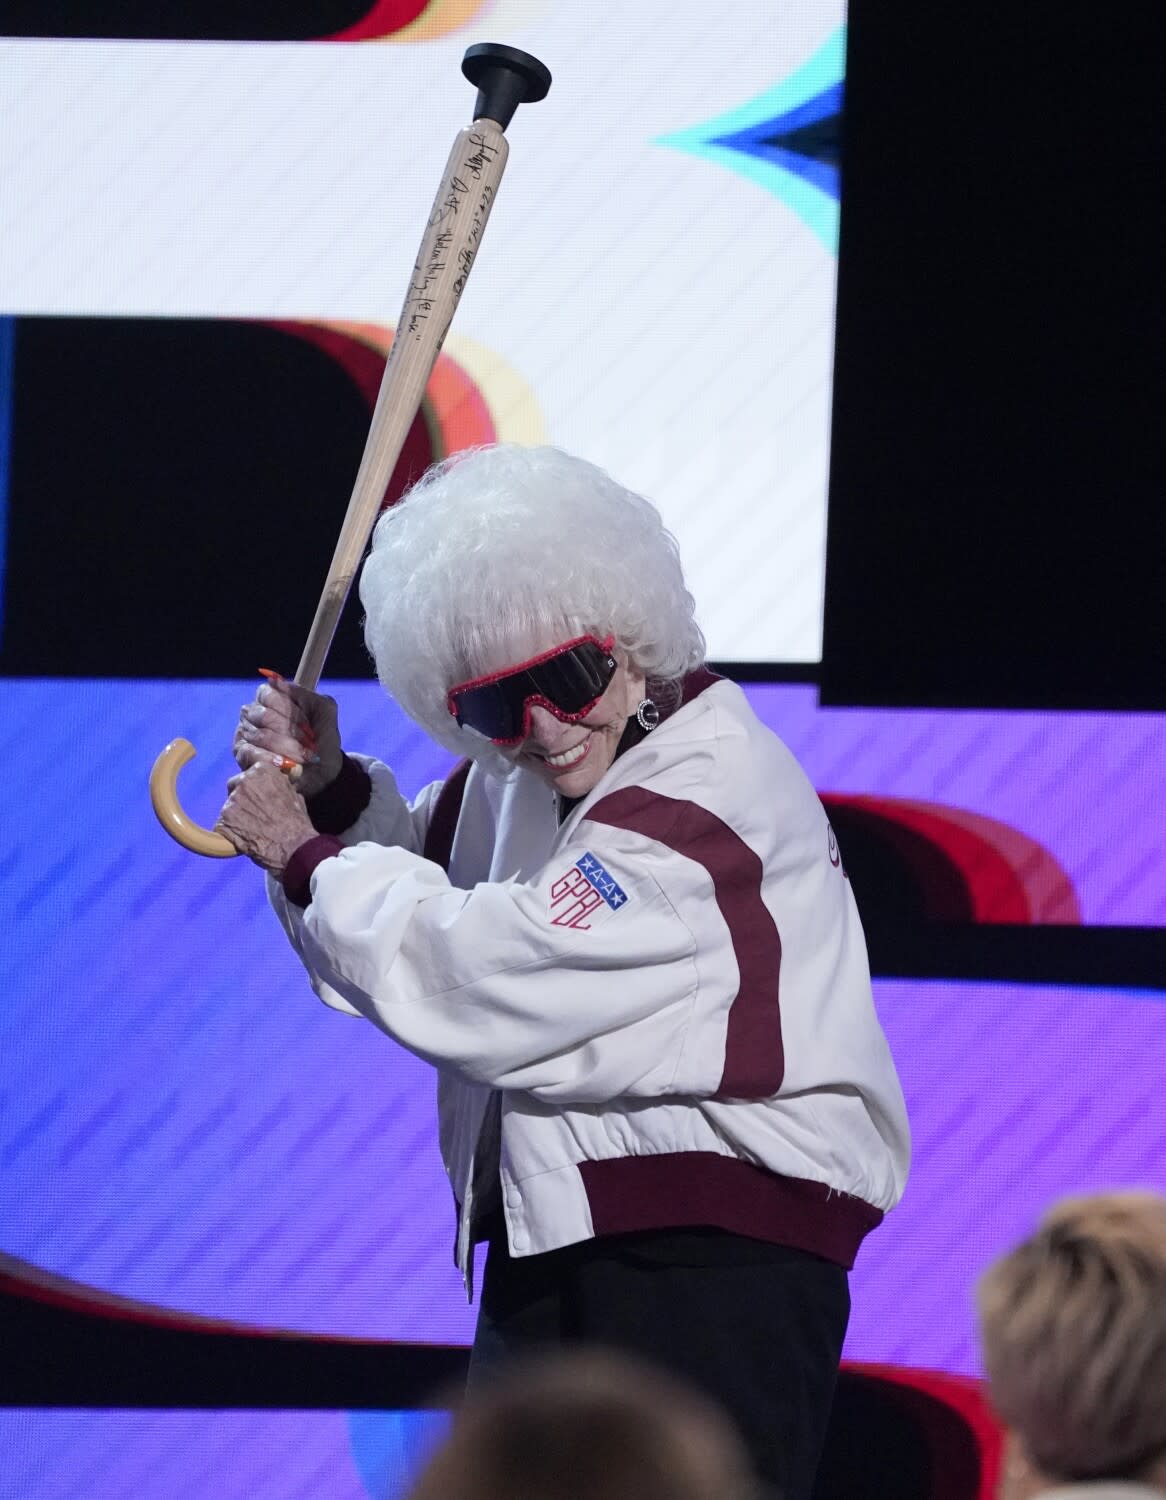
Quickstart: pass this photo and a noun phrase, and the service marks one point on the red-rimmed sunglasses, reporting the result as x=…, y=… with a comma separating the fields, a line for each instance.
x=568, y=681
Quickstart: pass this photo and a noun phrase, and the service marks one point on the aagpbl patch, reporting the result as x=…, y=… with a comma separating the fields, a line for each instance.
x=576, y=894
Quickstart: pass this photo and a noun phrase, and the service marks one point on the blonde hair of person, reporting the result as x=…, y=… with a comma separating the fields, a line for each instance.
x=1073, y=1325
x=588, y=1425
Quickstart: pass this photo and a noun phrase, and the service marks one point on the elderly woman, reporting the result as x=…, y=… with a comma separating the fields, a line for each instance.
x=621, y=932
x=1074, y=1332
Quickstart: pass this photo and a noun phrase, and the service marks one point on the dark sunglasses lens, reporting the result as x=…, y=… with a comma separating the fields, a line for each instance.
x=571, y=680
x=490, y=709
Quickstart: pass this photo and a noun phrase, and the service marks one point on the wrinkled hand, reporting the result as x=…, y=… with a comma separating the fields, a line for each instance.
x=289, y=723
x=264, y=817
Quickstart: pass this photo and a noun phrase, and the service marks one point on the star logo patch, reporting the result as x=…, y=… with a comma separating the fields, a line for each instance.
x=580, y=891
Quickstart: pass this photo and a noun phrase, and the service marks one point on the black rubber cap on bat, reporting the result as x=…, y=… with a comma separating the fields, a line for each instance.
x=505, y=78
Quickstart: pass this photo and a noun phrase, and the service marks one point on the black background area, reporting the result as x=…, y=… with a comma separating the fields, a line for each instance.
x=191, y=20
x=996, y=474
x=176, y=492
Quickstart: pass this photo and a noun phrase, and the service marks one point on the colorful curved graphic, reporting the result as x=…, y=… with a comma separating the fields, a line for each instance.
x=291, y=181
x=788, y=140
x=410, y=21
x=960, y=1435
x=268, y=417
x=473, y=395
x=34, y=1284
x=381, y=20
x=967, y=867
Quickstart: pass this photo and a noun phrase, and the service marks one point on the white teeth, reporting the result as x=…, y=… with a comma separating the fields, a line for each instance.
x=568, y=757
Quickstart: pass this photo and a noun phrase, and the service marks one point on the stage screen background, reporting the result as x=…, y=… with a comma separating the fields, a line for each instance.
x=181, y=1124
x=656, y=290
x=184, y=1125
x=58, y=1454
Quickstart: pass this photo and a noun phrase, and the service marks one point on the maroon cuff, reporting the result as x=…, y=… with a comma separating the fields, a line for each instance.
x=297, y=876
x=343, y=800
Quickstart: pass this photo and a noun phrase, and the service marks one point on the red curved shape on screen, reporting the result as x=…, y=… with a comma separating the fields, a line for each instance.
x=19, y=1278
x=363, y=366
x=961, y=1397
x=969, y=868
x=454, y=414
x=382, y=19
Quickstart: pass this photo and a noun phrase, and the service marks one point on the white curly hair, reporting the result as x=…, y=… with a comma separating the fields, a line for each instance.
x=501, y=552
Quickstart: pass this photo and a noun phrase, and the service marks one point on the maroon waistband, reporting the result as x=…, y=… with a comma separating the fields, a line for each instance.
x=691, y=1188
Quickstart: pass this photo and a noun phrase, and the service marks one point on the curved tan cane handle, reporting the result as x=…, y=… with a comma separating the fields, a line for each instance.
x=164, y=796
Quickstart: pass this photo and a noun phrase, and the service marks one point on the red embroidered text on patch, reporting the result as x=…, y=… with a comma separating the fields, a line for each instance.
x=573, y=898
x=580, y=891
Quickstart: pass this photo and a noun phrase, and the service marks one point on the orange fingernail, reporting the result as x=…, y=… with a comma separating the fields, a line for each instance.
x=270, y=675
x=288, y=765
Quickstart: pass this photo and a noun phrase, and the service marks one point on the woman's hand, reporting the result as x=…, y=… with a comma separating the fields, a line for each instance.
x=289, y=723
x=264, y=817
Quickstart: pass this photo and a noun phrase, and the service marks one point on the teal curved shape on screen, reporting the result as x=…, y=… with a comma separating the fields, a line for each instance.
x=151, y=1454
x=390, y=1447
x=784, y=140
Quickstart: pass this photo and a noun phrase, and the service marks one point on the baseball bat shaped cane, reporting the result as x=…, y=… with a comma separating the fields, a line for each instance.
x=505, y=78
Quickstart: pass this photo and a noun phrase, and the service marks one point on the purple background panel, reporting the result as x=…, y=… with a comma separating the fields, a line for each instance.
x=61, y=1454
x=182, y=1123
x=1090, y=787
x=1018, y=1095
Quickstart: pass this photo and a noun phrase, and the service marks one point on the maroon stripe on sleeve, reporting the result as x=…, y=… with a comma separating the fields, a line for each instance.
x=438, y=845
x=297, y=877
x=754, y=1057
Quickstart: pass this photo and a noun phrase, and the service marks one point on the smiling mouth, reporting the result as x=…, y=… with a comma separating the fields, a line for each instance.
x=568, y=758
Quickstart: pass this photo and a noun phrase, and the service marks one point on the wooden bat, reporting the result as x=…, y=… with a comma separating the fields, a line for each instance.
x=505, y=78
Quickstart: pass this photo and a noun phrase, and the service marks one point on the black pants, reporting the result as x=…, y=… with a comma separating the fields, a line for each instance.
x=758, y=1327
